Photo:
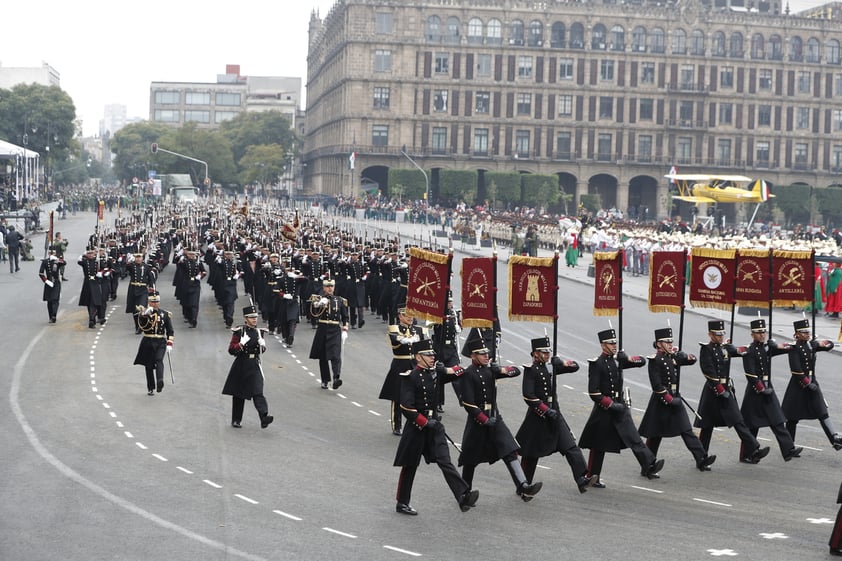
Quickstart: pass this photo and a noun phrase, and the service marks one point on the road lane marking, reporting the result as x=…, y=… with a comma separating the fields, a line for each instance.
x=128, y=434
x=711, y=502
x=647, y=489
x=160, y=457
x=375, y=413
x=185, y=470
x=287, y=515
x=212, y=484
x=399, y=550
x=352, y=536
x=245, y=498
x=141, y=446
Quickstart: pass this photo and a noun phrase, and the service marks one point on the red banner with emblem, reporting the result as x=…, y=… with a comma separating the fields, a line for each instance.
x=608, y=272
x=100, y=211
x=429, y=281
x=712, y=274
x=752, y=278
x=533, y=288
x=479, y=291
x=666, y=281
x=793, y=277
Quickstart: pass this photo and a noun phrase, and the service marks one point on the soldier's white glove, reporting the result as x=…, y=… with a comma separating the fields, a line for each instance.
x=415, y=338
x=236, y=276
x=98, y=274
x=292, y=275
x=261, y=342
x=323, y=301
x=245, y=339
x=405, y=340
x=148, y=311
x=219, y=259
x=197, y=278
x=49, y=283
x=169, y=349
x=287, y=296
x=344, y=336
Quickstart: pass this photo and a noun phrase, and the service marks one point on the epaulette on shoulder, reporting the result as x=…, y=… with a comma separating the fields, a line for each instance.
x=407, y=373
x=393, y=328
x=651, y=357
x=525, y=366
x=594, y=359
x=236, y=328
x=344, y=301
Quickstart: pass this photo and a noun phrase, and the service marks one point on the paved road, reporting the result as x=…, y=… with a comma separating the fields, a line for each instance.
x=95, y=469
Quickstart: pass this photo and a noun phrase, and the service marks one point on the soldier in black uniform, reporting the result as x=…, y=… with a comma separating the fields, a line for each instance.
x=718, y=406
x=761, y=407
x=142, y=279
x=425, y=434
x=92, y=295
x=192, y=273
x=665, y=415
x=355, y=275
x=490, y=336
x=445, y=342
x=486, y=437
x=245, y=377
x=230, y=271
x=835, y=541
x=331, y=315
x=50, y=274
x=610, y=427
x=157, y=340
x=401, y=338
x=544, y=430
x=803, y=398
x=288, y=292
x=272, y=272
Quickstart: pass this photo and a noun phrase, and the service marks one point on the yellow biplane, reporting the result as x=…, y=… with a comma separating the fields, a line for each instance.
x=702, y=188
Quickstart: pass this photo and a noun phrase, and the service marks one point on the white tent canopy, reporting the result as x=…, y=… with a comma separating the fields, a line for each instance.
x=26, y=173
x=9, y=150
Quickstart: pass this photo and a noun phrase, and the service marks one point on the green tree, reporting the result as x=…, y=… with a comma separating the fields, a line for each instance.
x=794, y=201
x=508, y=185
x=256, y=128
x=208, y=146
x=829, y=203
x=565, y=198
x=540, y=190
x=263, y=163
x=131, y=146
x=411, y=182
x=457, y=185
x=591, y=202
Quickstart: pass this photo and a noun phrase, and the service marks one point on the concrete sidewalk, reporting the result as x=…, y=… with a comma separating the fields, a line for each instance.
x=633, y=286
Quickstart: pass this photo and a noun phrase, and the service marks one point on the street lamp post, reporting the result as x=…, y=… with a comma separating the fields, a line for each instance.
x=426, y=181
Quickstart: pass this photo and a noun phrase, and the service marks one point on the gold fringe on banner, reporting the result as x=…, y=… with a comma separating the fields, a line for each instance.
x=438, y=258
x=605, y=311
x=522, y=317
x=531, y=261
x=792, y=254
x=754, y=253
x=475, y=322
x=663, y=308
x=605, y=255
x=716, y=253
x=417, y=314
x=717, y=305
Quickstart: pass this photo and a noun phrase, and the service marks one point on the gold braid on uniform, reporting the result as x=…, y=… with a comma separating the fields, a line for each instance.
x=146, y=324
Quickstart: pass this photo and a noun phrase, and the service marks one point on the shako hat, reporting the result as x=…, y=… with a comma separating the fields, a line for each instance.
x=422, y=346
x=477, y=346
x=717, y=327
x=154, y=297
x=801, y=325
x=607, y=336
x=664, y=334
x=758, y=326
x=541, y=344
x=250, y=312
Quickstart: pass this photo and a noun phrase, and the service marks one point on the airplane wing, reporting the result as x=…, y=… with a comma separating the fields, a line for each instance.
x=699, y=177
x=694, y=200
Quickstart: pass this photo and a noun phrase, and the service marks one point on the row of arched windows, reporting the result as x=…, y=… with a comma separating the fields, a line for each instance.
x=652, y=40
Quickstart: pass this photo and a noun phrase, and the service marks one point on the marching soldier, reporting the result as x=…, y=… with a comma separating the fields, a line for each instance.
x=610, y=427
x=803, y=398
x=425, y=435
x=193, y=271
x=272, y=272
x=835, y=541
x=245, y=378
x=288, y=289
x=142, y=277
x=761, y=407
x=490, y=336
x=331, y=315
x=157, y=340
x=355, y=274
x=544, y=430
x=665, y=415
x=50, y=274
x=445, y=339
x=230, y=272
x=401, y=338
x=92, y=295
x=718, y=406
x=486, y=437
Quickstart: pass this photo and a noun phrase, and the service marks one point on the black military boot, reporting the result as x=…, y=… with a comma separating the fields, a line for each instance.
x=525, y=489
x=834, y=437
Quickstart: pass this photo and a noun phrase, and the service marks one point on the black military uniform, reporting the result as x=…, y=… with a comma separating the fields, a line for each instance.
x=445, y=342
x=272, y=272
x=401, y=338
x=331, y=315
x=245, y=377
x=230, y=272
x=835, y=541
x=486, y=437
x=544, y=430
x=665, y=415
x=424, y=435
x=717, y=405
x=157, y=340
x=761, y=407
x=803, y=398
x=192, y=273
x=50, y=274
x=355, y=276
x=142, y=279
x=489, y=335
x=288, y=289
x=92, y=295
x=610, y=427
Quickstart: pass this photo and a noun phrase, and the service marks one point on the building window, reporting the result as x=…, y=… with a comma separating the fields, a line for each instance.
x=565, y=69
x=644, y=148
x=736, y=46
x=804, y=77
x=524, y=104
x=679, y=42
x=726, y=113
x=522, y=144
x=536, y=34
x=837, y=119
x=221, y=116
x=196, y=116
x=726, y=77
x=813, y=50
x=494, y=32
x=658, y=41
x=433, y=29
x=685, y=112
x=439, y=140
x=167, y=115
x=762, y=154
x=516, y=33
x=764, y=115
x=697, y=43
x=831, y=50
x=684, y=150
x=484, y=65
x=800, y=153
x=383, y=23
x=776, y=48
x=606, y=70
x=480, y=142
x=483, y=103
x=440, y=101
x=796, y=49
x=167, y=98
x=647, y=72
x=836, y=158
x=565, y=105
x=598, y=37
x=618, y=39
x=197, y=98
x=475, y=31
x=687, y=76
x=802, y=117
x=577, y=36
x=764, y=79
x=603, y=147
x=557, y=36
x=229, y=99
x=647, y=109
x=563, y=146
x=606, y=107
x=442, y=63
x=723, y=152
x=837, y=84
x=718, y=46
x=382, y=60
x=639, y=40
x=381, y=98
x=380, y=135
x=454, y=30
x=524, y=67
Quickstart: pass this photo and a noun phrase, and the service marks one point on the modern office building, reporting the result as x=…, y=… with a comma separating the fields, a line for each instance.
x=606, y=95
x=209, y=104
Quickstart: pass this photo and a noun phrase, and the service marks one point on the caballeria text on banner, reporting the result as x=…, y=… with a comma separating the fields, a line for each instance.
x=712, y=274
x=753, y=286
x=666, y=281
x=608, y=286
x=479, y=291
x=533, y=282
x=429, y=281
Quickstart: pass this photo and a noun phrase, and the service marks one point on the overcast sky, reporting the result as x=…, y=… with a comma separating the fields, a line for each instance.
x=109, y=52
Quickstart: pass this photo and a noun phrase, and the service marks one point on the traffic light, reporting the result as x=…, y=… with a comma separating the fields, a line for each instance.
x=154, y=147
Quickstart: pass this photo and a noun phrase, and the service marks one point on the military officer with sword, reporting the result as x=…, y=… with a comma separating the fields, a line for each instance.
x=157, y=340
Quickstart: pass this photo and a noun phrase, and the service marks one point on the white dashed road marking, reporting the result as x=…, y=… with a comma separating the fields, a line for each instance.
x=711, y=502
x=287, y=515
x=331, y=530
